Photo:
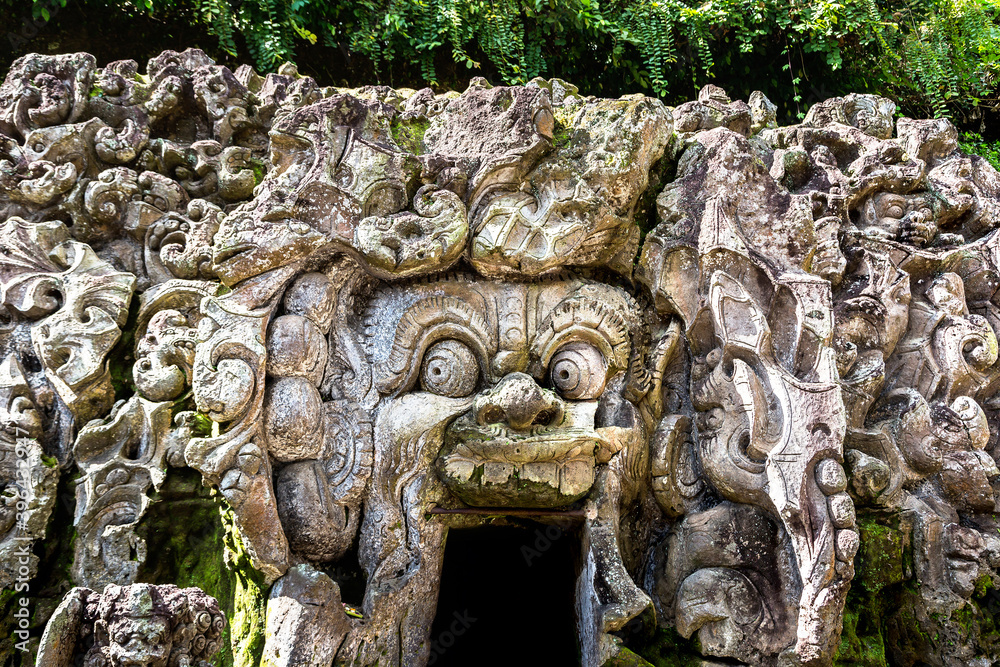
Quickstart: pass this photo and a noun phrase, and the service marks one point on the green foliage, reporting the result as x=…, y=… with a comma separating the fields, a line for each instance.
x=975, y=144
x=937, y=57
x=947, y=50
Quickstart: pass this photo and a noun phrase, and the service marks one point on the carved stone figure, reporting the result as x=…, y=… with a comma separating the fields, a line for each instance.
x=155, y=626
x=726, y=356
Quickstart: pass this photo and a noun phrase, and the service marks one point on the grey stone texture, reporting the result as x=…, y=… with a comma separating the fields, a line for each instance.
x=710, y=340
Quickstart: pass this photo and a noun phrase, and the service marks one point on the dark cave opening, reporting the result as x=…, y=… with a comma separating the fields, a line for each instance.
x=507, y=598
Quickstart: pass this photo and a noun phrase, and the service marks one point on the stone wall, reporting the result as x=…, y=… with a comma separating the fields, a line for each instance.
x=751, y=370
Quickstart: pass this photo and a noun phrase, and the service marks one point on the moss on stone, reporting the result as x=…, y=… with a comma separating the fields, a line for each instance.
x=192, y=540
x=8, y=654
x=46, y=589
x=249, y=600
x=666, y=648
x=881, y=568
x=881, y=559
x=259, y=171
x=409, y=133
x=861, y=642
x=560, y=135
x=627, y=658
x=884, y=618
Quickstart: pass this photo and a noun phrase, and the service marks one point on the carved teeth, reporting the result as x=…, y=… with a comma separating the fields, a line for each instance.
x=576, y=477
x=460, y=469
x=496, y=472
x=544, y=473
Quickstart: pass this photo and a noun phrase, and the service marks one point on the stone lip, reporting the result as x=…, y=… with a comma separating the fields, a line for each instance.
x=494, y=442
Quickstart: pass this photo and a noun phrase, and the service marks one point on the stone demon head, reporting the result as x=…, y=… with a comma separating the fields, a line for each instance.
x=134, y=626
x=361, y=400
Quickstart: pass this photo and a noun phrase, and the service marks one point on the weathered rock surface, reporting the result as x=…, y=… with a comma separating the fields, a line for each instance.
x=754, y=366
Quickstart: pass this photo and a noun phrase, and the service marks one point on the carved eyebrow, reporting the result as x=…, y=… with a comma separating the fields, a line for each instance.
x=582, y=318
x=423, y=324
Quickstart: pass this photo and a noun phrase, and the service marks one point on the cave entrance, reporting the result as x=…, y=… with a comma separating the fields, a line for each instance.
x=507, y=598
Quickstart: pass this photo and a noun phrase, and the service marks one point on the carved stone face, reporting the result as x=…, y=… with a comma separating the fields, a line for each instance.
x=139, y=642
x=333, y=165
x=205, y=169
x=908, y=218
x=523, y=380
x=18, y=416
x=73, y=342
x=164, y=356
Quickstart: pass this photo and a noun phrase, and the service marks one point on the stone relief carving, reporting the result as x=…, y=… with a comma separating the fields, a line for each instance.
x=156, y=626
x=29, y=478
x=717, y=347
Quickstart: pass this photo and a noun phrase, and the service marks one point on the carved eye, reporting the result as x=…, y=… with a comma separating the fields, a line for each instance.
x=578, y=371
x=449, y=369
x=894, y=211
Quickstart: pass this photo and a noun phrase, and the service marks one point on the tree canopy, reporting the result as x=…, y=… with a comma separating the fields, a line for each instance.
x=935, y=57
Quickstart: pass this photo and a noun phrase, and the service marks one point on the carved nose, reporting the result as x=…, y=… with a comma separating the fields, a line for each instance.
x=520, y=403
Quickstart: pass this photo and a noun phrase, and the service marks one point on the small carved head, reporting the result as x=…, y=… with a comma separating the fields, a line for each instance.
x=154, y=626
x=134, y=625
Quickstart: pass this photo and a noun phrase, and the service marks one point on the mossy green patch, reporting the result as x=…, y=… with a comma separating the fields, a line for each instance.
x=881, y=560
x=666, y=648
x=259, y=171
x=881, y=618
x=201, y=425
x=249, y=600
x=409, y=133
x=8, y=605
x=561, y=135
x=861, y=642
x=192, y=540
x=627, y=658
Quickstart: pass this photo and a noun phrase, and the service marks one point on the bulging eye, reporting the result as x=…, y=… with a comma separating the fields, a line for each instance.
x=449, y=369
x=578, y=371
x=894, y=210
